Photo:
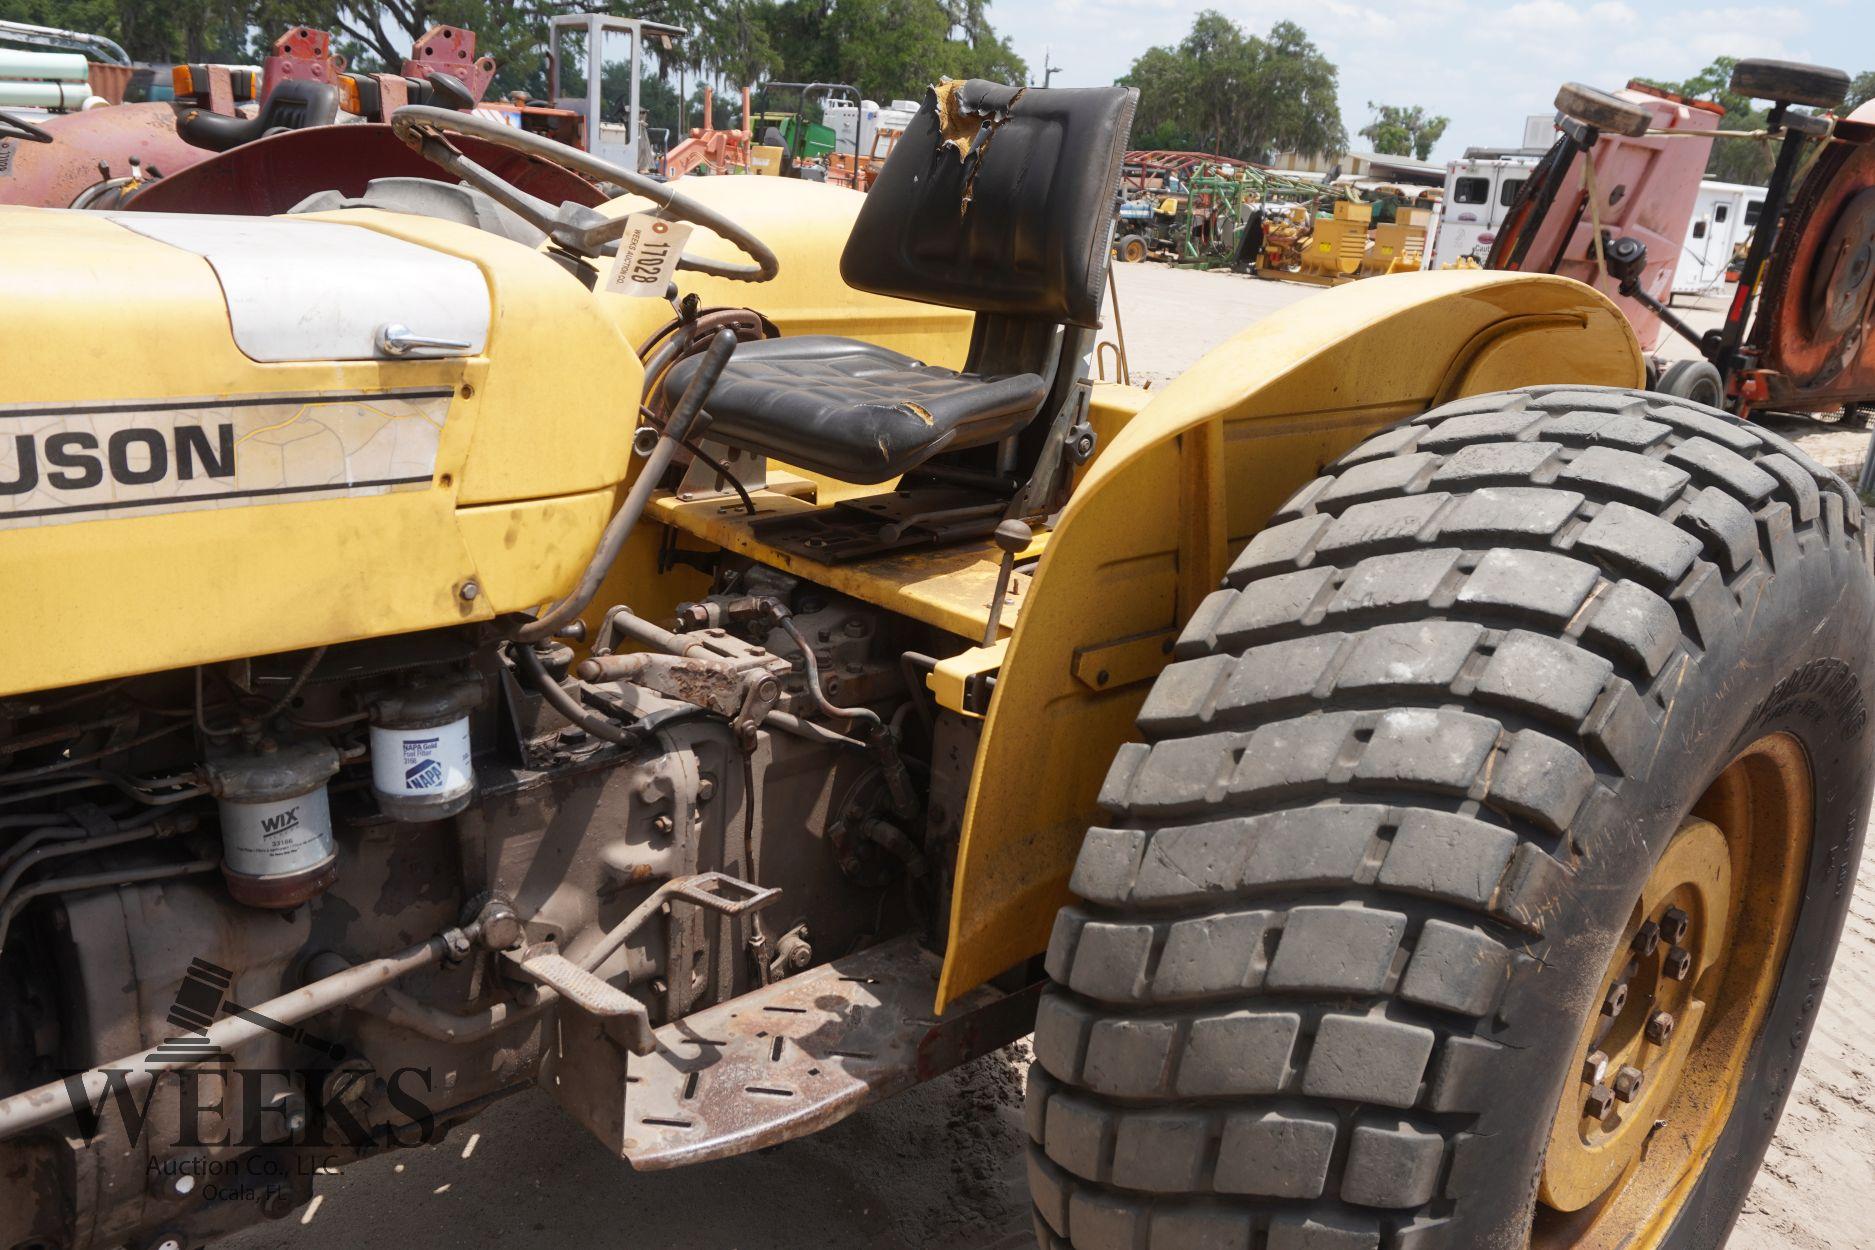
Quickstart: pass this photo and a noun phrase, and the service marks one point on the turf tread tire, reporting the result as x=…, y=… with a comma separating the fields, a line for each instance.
x=1323, y=887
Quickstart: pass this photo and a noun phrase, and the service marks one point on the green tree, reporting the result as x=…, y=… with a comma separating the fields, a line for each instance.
x=1235, y=93
x=1398, y=131
x=1732, y=160
x=378, y=36
x=1861, y=91
x=149, y=30
x=887, y=48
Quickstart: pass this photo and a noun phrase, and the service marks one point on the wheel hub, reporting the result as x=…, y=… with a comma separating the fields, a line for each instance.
x=1650, y=1007
x=1681, y=1002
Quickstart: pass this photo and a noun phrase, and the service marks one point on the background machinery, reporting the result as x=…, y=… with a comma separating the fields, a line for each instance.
x=1791, y=337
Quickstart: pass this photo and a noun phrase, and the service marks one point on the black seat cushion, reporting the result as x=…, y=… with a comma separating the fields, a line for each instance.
x=852, y=410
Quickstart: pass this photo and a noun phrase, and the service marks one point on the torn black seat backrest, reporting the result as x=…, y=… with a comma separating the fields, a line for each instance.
x=1039, y=170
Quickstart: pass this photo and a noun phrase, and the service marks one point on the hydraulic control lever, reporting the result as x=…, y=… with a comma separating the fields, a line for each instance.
x=684, y=420
x=576, y=979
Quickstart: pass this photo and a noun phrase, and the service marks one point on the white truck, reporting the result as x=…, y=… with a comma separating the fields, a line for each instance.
x=1480, y=187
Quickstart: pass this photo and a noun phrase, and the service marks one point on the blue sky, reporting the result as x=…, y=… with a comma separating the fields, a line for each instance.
x=1485, y=65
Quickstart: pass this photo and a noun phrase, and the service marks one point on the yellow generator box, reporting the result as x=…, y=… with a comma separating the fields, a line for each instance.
x=765, y=158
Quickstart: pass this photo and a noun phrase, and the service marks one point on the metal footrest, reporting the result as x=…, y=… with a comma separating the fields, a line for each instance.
x=780, y=1062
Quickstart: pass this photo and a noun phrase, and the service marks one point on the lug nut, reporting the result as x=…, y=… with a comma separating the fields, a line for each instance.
x=1628, y=1083
x=1673, y=925
x=1646, y=939
x=1595, y=1069
x=1601, y=1101
x=1678, y=964
x=1616, y=1000
x=1660, y=1028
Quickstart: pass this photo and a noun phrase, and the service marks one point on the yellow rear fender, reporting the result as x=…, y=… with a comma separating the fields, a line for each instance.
x=1166, y=505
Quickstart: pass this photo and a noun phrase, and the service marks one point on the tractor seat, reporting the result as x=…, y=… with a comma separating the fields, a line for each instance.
x=293, y=104
x=855, y=411
x=997, y=200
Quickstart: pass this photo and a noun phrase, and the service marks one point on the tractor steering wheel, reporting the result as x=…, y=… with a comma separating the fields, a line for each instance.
x=575, y=227
x=23, y=128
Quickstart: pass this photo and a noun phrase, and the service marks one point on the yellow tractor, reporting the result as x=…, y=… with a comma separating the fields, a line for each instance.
x=1409, y=777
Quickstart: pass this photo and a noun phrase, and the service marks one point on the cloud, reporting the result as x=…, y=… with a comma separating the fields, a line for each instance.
x=1551, y=17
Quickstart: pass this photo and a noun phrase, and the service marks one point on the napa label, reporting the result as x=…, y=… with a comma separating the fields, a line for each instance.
x=419, y=763
x=81, y=462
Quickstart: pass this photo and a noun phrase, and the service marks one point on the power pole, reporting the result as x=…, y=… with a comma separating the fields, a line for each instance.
x=1049, y=69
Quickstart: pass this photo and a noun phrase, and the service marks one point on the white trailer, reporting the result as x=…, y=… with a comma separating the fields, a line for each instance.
x=1724, y=214
x=1479, y=191
x=857, y=129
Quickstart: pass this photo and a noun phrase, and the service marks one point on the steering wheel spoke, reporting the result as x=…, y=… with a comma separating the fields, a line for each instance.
x=575, y=227
x=531, y=207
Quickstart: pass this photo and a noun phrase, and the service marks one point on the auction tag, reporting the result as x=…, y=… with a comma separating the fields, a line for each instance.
x=647, y=258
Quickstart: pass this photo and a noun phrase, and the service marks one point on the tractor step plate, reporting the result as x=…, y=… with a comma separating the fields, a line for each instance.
x=781, y=1062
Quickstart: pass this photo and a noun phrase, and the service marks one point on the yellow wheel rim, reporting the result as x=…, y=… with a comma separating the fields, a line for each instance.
x=1658, y=1066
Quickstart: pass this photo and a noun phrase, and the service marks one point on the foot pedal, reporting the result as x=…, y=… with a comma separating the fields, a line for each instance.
x=722, y=893
x=778, y=1062
x=575, y=984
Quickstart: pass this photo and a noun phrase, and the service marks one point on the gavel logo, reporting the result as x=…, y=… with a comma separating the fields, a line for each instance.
x=201, y=1000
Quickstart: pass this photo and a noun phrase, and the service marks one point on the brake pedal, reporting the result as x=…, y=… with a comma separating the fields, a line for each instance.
x=573, y=983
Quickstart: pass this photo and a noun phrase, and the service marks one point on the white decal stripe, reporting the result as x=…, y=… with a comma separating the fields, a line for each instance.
x=76, y=463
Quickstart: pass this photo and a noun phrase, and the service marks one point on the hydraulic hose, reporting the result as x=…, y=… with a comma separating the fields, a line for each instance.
x=89, y=881
x=676, y=431
x=566, y=704
x=28, y=852
x=827, y=706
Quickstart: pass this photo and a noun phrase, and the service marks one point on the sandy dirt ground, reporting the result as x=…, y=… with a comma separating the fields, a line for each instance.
x=941, y=1168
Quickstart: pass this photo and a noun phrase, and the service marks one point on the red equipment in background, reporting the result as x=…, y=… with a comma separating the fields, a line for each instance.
x=1640, y=186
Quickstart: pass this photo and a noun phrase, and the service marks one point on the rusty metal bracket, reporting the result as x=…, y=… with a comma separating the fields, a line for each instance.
x=742, y=691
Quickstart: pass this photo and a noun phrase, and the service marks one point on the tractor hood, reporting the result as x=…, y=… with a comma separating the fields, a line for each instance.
x=303, y=289
x=198, y=417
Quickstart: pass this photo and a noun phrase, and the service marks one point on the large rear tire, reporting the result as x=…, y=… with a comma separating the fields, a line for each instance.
x=1509, y=685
